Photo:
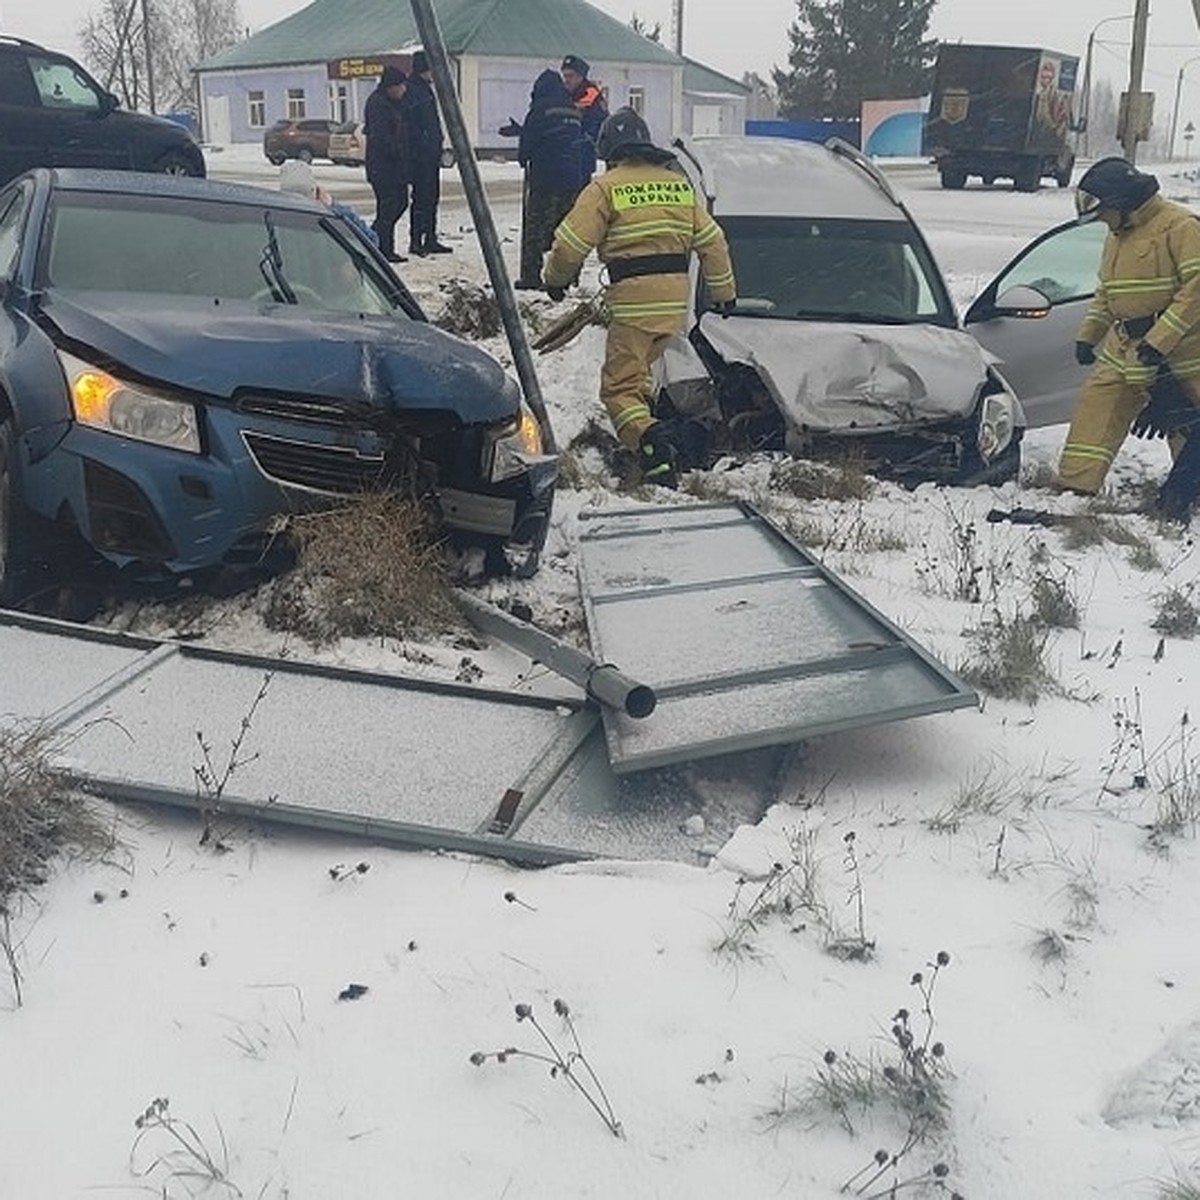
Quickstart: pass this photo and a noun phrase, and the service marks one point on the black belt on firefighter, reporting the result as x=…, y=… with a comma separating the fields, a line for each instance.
x=1138, y=327
x=646, y=264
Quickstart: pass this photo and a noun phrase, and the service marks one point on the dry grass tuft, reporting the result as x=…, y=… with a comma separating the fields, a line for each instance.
x=1009, y=660
x=846, y=479
x=369, y=568
x=1177, y=614
x=41, y=812
x=469, y=310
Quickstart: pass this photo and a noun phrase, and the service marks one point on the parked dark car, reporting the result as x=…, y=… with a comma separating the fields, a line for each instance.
x=54, y=114
x=304, y=139
x=182, y=361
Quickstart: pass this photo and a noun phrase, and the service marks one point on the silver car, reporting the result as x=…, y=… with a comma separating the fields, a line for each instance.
x=844, y=340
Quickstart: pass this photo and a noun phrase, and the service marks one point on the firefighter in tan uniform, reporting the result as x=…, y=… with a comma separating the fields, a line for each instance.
x=645, y=219
x=1142, y=331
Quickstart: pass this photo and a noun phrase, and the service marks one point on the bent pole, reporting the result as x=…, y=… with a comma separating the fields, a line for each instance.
x=603, y=682
x=485, y=227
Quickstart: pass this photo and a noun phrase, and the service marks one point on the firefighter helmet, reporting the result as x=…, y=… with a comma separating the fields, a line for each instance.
x=624, y=130
x=1113, y=183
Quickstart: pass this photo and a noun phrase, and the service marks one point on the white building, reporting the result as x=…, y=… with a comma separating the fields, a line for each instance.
x=324, y=60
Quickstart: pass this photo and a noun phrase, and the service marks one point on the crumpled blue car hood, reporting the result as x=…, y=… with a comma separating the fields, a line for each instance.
x=219, y=349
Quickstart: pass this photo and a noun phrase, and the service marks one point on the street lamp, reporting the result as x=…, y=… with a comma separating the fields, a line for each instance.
x=1087, y=78
x=1175, y=110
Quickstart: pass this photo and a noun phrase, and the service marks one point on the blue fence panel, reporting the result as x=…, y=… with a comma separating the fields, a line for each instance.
x=807, y=131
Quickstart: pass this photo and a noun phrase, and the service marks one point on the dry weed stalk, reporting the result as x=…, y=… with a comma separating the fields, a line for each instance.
x=371, y=567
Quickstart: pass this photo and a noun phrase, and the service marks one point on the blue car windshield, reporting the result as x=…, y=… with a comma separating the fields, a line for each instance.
x=180, y=246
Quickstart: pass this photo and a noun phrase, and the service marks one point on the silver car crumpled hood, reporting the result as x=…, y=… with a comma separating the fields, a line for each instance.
x=831, y=377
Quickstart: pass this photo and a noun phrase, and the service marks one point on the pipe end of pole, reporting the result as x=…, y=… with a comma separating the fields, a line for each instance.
x=640, y=702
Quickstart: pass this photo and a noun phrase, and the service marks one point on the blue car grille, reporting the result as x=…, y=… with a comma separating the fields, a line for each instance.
x=308, y=410
x=336, y=469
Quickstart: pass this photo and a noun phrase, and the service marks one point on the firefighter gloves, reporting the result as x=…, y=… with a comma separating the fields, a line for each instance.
x=1160, y=418
x=1150, y=356
x=1085, y=353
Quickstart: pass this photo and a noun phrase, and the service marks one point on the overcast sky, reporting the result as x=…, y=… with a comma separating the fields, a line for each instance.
x=752, y=34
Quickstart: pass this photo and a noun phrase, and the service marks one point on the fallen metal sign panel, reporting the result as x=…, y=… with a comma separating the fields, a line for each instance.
x=408, y=761
x=747, y=640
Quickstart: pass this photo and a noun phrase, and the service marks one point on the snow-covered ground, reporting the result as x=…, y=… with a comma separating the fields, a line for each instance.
x=1015, y=839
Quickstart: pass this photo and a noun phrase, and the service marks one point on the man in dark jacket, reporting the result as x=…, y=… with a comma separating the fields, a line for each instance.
x=423, y=129
x=551, y=150
x=589, y=101
x=387, y=171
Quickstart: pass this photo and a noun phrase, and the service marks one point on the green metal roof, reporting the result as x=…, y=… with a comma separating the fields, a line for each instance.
x=328, y=29
x=699, y=78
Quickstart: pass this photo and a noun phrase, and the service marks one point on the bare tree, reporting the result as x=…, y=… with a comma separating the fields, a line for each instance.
x=183, y=33
x=652, y=32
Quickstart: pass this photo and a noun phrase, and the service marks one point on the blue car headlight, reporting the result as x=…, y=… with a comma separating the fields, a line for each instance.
x=512, y=447
x=105, y=402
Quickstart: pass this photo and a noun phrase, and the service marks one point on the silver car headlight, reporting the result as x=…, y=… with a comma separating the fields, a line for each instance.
x=105, y=402
x=997, y=423
x=512, y=446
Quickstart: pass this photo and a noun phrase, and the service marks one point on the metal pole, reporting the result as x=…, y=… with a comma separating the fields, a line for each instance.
x=677, y=26
x=485, y=228
x=147, y=43
x=1087, y=91
x=1137, y=63
x=602, y=681
x=1175, y=115
x=1196, y=9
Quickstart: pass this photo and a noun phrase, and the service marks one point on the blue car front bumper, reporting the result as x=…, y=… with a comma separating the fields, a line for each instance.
x=170, y=512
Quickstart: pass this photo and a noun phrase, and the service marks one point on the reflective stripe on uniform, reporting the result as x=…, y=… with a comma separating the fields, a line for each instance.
x=637, y=411
x=630, y=312
x=645, y=229
x=572, y=239
x=719, y=280
x=1091, y=453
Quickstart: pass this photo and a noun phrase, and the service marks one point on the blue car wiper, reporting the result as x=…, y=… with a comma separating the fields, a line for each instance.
x=271, y=265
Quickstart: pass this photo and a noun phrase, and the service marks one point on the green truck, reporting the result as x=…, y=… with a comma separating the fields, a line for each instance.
x=1002, y=112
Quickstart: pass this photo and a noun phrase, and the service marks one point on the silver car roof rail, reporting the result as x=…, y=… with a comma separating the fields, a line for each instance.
x=844, y=149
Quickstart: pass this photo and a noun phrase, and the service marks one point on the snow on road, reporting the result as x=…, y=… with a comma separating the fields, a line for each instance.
x=1014, y=838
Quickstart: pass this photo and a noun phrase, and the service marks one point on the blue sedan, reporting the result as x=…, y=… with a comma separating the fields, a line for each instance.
x=182, y=361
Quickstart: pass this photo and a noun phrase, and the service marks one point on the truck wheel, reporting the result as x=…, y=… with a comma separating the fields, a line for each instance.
x=953, y=180
x=1028, y=177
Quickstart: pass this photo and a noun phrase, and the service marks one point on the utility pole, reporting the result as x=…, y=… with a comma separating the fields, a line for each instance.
x=677, y=25
x=1137, y=63
x=149, y=47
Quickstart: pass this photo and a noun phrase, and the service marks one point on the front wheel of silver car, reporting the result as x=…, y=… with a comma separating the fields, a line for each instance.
x=12, y=557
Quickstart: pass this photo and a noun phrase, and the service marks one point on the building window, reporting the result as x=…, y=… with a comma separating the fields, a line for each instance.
x=637, y=100
x=339, y=102
x=295, y=104
x=258, y=109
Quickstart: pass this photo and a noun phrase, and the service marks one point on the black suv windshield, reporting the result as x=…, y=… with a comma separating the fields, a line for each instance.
x=186, y=247
x=834, y=269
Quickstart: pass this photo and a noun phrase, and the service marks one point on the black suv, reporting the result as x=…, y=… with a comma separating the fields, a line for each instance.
x=54, y=114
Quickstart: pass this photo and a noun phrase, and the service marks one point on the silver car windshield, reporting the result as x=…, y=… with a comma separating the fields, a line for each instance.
x=836, y=270
x=177, y=246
